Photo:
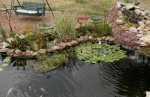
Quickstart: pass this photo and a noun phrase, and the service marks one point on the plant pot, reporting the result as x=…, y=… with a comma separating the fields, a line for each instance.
x=46, y=26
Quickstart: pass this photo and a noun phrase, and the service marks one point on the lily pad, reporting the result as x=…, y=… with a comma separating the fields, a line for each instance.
x=93, y=52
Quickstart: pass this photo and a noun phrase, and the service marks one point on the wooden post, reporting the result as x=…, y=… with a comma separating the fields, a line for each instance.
x=50, y=8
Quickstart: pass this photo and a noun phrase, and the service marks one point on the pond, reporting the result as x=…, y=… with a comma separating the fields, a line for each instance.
x=128, y=77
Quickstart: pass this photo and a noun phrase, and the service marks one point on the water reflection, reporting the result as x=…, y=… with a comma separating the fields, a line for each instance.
x=128, y=77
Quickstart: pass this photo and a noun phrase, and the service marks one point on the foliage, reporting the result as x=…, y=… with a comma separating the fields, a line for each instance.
x=102, y=29
x=131, y=16
x=35, y=41
x=128, y=1
x=17, y=43
x=65, y=27
x=93, y=53
x=50, y=62
x=84, y=29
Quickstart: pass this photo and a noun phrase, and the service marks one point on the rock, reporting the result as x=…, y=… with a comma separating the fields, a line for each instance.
x=4, y=45
x=99, y=39
x=18, y=51
x=74, y=42
x=125, y=28
x=29, y=52
x=139, y=35
x=10, y=52
x=42, y=51
x=141, y=24
x=79, y=40
x=129, y=7
x=119, y=22
x=140, y=28
x=147, y=22
x=112, y=39
x=68, y=44
x=49, y=50
x=137, y=11
x=132, y=29
x=34, y=54
x=90, y=38
x=63, y=45
x=143, y=44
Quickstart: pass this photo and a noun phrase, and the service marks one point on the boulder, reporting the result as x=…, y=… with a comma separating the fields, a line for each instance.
x=119, y=22
x=137, y=11
x=141, y=24
x=147, y=22
x=132, y=29
x=68, y=44
x=125, y=28
x=140, y=28
x=42, y=51
x=49, y=50
x=129, y=7
x=29, y=52
x=63, y=45
x=34, y=54
x=74, y=42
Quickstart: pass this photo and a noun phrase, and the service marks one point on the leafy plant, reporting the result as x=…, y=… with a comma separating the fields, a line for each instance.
x=102, y=29
x=35, y=41
x=85, y=29
x=93, y=52
x=17, y=43
x=65, y=27
x=50, y=62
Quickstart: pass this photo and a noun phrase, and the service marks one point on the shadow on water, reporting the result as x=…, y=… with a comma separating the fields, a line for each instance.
x=128, y=77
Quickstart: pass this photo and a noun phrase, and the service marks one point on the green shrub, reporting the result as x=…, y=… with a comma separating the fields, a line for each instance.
x=84, y=29
x=102, y=29
x=65, y=27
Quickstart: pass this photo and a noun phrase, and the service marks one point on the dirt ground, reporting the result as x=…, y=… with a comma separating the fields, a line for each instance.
x=20, y=23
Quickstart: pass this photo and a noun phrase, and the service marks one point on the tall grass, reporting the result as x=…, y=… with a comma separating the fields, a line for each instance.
x=65, y=27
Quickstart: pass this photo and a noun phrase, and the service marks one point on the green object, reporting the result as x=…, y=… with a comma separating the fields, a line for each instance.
x=50, y=62
x=30, y=9
x=65, y=28
x=93, y=52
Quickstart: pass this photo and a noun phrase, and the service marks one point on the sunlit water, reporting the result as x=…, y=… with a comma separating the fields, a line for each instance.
x=129, y=77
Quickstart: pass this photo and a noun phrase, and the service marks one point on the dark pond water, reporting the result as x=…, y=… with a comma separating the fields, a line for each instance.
x=129, y=77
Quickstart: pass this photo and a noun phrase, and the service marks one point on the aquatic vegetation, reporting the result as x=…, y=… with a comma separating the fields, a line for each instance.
x=145, y=51
x=50, y=62
x=4, y=63
x=93, y=52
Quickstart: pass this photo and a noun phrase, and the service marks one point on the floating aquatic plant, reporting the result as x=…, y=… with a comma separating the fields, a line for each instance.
x=93, y=52
x=50, y=62
x=4, y=63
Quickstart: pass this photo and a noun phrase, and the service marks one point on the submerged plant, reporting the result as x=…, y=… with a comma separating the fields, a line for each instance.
x=93, y=52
